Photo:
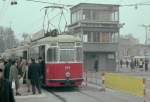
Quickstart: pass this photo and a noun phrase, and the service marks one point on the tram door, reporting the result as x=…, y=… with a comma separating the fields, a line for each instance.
x=42, y=55
x=25, y=55
x=42, y=51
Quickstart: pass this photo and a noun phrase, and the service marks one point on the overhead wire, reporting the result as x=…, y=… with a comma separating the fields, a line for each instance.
x=49, y=21
x=138, y=4
x=65, y=22
x=60, y=21
x=45, y=14
x=144, y=2
x=49, y=3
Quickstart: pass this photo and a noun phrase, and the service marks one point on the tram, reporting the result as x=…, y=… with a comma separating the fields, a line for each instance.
x=63, y=60
x=16, y=52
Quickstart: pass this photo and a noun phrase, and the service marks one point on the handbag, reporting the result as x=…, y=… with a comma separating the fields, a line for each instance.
x=13, y=85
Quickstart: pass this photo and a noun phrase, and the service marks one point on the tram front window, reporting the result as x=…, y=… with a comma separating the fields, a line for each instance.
x=67, y=55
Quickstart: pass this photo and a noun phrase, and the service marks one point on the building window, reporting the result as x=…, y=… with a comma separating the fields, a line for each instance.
x=101, y=15
x=86, y=14
x=76, y=16
x=106, y=37
x=115, y=36
x=115, y=16
x=79, y=54
x=96, y=37
x=102, y=37
x=89, y=36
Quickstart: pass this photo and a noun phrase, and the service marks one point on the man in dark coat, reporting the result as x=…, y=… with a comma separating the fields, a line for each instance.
x=7, y=69
x=34, y=74
x=6, y=92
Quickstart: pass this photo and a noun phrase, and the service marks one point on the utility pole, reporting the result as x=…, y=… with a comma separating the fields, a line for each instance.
x=146, y=33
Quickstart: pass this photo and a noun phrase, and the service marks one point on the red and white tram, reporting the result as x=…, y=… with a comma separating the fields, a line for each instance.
x=63, y=60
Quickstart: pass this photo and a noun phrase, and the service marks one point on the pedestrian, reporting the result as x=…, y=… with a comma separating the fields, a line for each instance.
x=7, y=69
x=14, y=76
x=19, y=66
x=96, y=65
x=146, y=64
x=34, y=73
x=25, y=75
x=24, y=65
x=5, y=61
x=141, y=64
x=121, y=63
x=132, y=65
x=127, y=63
x=137, y=63
x=6, y=92
x=2, y=64
x=42, y=65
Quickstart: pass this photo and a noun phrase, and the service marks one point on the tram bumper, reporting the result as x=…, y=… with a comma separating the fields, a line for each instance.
x=65, y=82
x=68, y=82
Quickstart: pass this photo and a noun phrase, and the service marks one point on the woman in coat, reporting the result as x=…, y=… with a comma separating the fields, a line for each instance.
x=14, y=76
x=6, y=92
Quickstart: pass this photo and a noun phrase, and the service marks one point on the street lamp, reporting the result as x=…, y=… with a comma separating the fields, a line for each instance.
x=146, y=32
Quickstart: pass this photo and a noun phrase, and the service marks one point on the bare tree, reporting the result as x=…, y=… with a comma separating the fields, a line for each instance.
x=25, y=35
x=7, y=38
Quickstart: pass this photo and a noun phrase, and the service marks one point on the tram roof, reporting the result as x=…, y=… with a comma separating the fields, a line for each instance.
x=60, y=38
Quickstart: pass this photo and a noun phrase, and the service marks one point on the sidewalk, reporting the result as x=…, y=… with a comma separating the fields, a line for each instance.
x=24, y=92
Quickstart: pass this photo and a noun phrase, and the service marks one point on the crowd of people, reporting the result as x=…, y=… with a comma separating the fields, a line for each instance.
x=133, y=64
x=12, y=71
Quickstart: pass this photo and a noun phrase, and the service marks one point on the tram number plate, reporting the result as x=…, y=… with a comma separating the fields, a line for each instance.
x=67, y=67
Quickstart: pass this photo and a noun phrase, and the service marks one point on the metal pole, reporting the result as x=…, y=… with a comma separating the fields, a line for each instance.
x=146, y=27
x=145, y=46
x=146, y=42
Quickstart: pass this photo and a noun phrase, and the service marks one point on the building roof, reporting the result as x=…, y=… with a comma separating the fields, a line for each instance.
x=95, y=5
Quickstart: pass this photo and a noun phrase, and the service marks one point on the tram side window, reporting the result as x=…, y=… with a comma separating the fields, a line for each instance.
x=34, y=53
x=51, y=55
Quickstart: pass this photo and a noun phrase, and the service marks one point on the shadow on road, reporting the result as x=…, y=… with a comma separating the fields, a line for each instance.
x=63, y=89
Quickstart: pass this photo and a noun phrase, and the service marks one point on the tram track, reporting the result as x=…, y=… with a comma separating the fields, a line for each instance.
x=79, y=91
x=93, y=97
x=62, y=99
x=55, y=92
x=52, y=91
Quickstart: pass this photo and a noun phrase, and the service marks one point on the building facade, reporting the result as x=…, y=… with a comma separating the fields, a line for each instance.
x=98, y=25
x=130, y=47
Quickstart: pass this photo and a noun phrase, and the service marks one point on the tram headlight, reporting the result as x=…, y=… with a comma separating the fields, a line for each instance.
x=67, y=74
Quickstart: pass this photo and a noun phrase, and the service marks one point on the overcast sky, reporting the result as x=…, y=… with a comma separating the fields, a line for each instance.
x=27, y=16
